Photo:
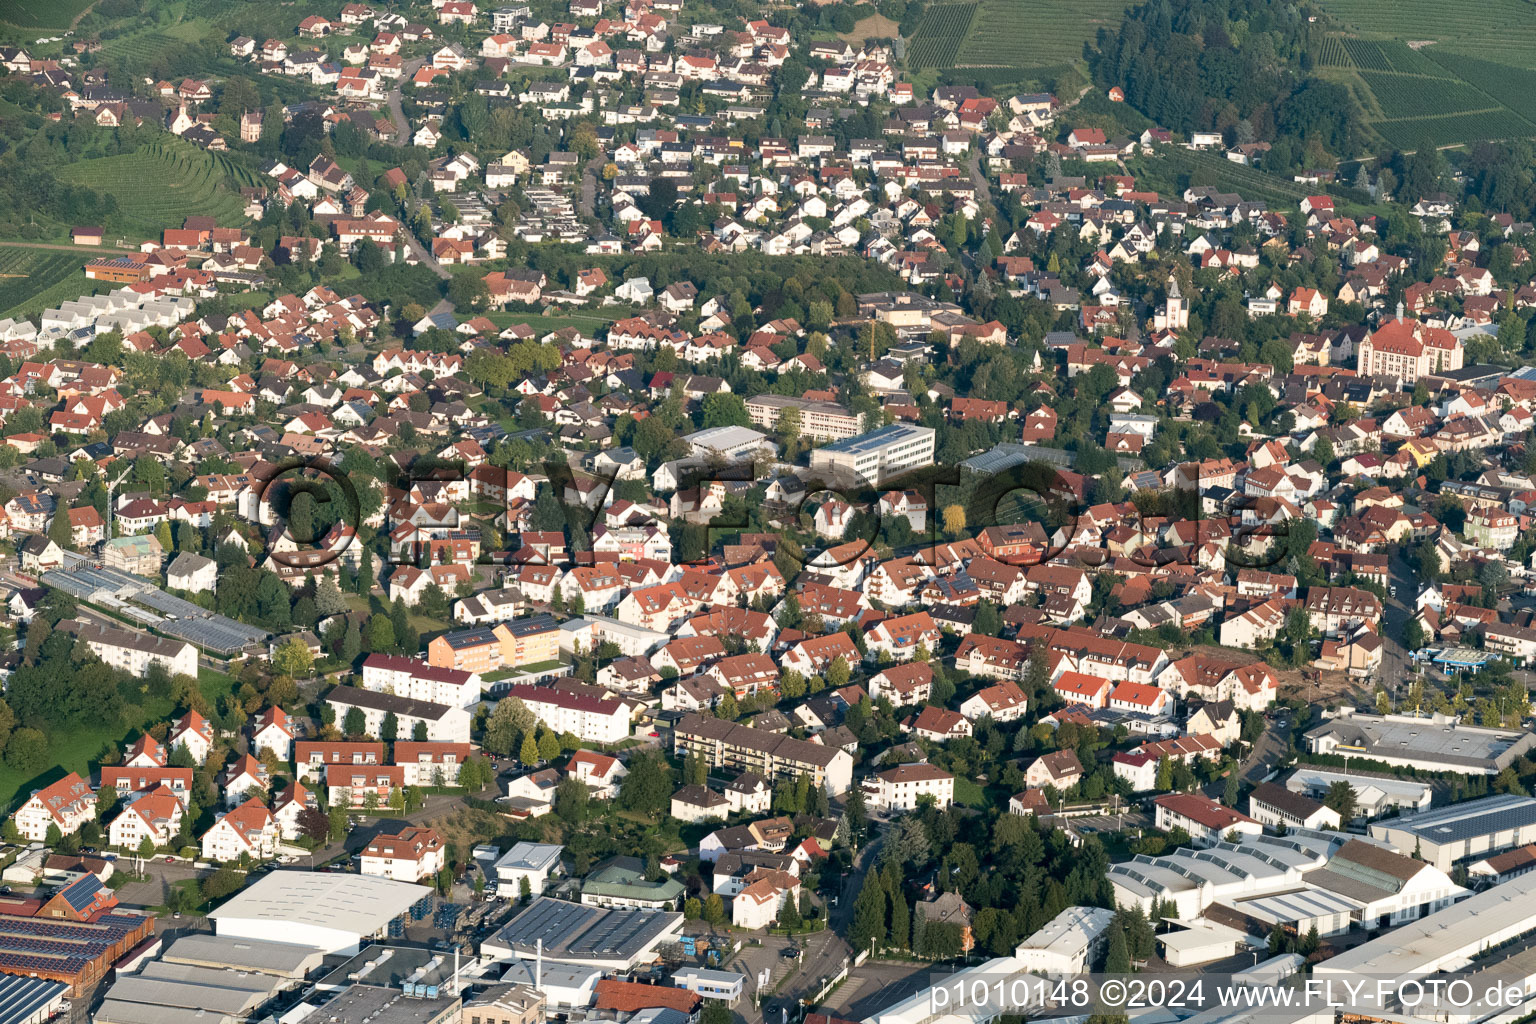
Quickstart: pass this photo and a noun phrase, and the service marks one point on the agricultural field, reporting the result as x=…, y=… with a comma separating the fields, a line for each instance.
x=26, y=274
x=1035, y=33
x=1498, y=30
x=938, y=37
x=1178, y=168
x=1405, y=96
x=1455, y=129
x=1432, y=96
x=1513, y=87
x=41, y=14
x=167, y=181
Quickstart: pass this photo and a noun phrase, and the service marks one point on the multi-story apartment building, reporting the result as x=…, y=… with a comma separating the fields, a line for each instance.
x=444, y=724
x=592, y=719
x=133, y=652
x=771, y=755
x=249, y=829
x=156, y=817
x=898, y=789
x=410, y=855
x=431, y=764
x=313, y=757
x=68, y=804
x=409, y=677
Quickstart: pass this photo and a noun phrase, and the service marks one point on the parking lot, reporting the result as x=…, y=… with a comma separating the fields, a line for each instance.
x=153, y=891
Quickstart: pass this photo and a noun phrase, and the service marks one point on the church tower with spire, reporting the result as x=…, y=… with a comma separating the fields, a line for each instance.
x=1174, y=314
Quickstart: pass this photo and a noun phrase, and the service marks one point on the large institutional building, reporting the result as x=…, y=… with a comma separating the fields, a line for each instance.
x=1409, y=350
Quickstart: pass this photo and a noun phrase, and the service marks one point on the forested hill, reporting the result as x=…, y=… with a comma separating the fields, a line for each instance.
x=1241, y=67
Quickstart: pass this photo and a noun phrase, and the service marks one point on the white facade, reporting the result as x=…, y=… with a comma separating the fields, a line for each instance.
x=900, y=788
x=408, y=677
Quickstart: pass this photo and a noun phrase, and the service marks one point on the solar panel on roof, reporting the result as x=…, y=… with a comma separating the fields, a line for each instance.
x=81, y=893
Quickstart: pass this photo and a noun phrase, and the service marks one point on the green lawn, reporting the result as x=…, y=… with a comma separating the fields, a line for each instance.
x=77, y=750
x=968, y=793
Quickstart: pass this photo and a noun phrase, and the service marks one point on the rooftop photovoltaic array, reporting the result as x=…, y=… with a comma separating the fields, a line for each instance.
x=139, y=599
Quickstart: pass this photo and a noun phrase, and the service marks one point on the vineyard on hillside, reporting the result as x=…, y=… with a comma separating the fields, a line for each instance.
x=167, y=181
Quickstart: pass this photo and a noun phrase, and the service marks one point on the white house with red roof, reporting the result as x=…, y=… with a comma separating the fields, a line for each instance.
x=156, y=817
x=245, y=776
x=194, y=732
x=1002, y=702
x=1139, y=698
x=249, y=829
x=273, y=730
x=1081, y=688
x=600, y=772
x=145, y=752
x=289, y=805
x=66, y=804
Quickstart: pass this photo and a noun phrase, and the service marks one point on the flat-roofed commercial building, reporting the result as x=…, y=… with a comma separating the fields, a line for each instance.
x=1444, y=941
x=819, y=420
x=575, y=934
x=877, y=456
x=1432, y=742
x=334, y=913
x=1375, y=795
x=1464, y=831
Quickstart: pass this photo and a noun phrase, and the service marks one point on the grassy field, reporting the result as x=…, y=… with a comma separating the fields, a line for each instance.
x=586, y=323
x=165, y=182
x=1035, y=33
x=1184, y=167
x=25, y=274
x=41, y=14
x=75, y=751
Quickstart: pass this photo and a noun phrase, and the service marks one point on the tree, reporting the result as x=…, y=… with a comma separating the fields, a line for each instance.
x=954, y=520
x=528, y=753
x=27, y=751
x=789, y=915
x=389, y=729
x=354, y=723
x=571, y=800
x=714, y=909
x=226, y=881
x=869, y=913
x=1229, y=791
x=293, y=659
x=693, y=908
x=648, y=786
x=510, y=721
x=1341, y=798
x=1118, y=959
x=59, y=530
x=549, y=746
